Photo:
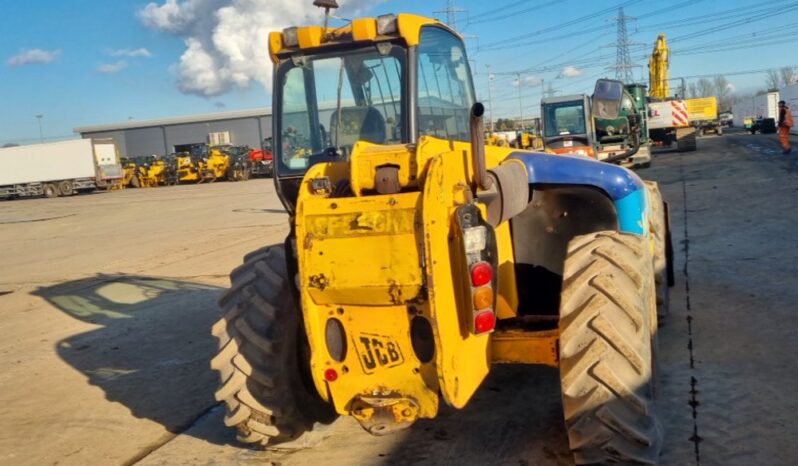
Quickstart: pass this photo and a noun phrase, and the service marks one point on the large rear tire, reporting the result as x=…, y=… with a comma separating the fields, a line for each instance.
x=606, y=350
x=686, y=139
x=65, y=188
x=50, y=190
x=658, y=227
x=264, y=356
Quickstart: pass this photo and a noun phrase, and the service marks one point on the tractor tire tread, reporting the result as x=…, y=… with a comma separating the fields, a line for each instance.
x=261, y=384
x=606, y=364
x=657, y=223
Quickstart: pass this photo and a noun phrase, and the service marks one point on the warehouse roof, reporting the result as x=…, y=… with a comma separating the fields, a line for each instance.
x=178, y=120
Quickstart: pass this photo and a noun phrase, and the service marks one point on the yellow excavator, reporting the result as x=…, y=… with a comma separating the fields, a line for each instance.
x=669, y=118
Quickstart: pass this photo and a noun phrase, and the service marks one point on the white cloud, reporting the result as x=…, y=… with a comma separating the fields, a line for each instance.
x=227, y=40
x=527, y=81
x=731, y=87
x=33, y=57
x=110, y=68
x=571, y=72
x=139, y=52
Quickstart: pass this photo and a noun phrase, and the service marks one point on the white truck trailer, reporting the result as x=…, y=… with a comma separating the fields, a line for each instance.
x=789, y=94
x=59, y=168
x=759, y=113
x=767, y=105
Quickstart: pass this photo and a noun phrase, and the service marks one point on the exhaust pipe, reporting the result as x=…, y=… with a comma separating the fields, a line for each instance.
x=477, y=129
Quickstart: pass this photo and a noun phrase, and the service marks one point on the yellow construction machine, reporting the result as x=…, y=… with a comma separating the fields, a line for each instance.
x=146, y=172
x=417, y=257
x=214, y=165
x=151, y=171
x=187, y=168
x=130, y=177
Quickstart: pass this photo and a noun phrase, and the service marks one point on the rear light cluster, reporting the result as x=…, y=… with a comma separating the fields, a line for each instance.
x=482, y=279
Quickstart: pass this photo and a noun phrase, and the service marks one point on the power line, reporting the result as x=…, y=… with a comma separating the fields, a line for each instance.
x=502, y=14
x=558, y=27
x=451, y=13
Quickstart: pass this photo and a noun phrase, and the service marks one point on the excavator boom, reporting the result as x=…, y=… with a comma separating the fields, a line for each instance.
x=658, y=69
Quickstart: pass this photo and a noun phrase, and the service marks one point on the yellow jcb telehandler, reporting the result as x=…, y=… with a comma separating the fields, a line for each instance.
x=417, y=257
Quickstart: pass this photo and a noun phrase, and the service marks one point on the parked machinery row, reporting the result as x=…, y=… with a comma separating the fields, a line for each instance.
x=201, y=164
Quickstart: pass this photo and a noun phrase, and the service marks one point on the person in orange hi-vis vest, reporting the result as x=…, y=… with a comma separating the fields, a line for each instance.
x=785, y=123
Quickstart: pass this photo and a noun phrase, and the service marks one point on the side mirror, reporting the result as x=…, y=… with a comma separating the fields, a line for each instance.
x=607, y=98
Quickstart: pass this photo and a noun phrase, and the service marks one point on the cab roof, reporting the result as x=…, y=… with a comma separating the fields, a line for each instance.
x=405, y=26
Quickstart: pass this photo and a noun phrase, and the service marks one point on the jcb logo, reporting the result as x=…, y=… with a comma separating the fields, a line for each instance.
x=377, y=350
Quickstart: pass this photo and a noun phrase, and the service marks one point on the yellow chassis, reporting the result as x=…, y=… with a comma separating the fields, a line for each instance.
x=374, y=263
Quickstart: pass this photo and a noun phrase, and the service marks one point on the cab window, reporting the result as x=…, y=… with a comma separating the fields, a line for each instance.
x=445, y=90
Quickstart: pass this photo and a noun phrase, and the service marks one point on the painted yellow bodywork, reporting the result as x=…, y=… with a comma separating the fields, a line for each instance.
x=128, y=173
x=148, y=174
x=375, y=262
x=523, y=347
x=187, y=170
x=531, y=141
x=364, y=29
x=215, y=166
x=658, y=65
x=360, y=30
x=155, y=174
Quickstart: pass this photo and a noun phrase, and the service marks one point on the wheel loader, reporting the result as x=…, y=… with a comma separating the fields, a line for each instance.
x=418, y=258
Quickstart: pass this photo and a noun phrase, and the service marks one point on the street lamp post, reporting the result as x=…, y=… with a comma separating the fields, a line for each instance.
x=520, y=103
x=41, y=134
x=490, y=99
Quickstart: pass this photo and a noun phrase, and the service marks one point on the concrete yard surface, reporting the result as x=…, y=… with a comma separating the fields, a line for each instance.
x=107, y=302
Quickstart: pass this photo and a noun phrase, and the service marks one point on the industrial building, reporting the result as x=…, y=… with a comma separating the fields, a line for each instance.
x=168, y=135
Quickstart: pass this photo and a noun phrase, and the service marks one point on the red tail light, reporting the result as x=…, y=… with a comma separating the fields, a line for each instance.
x=330, y=375
x=481, y=273
x=485, y=321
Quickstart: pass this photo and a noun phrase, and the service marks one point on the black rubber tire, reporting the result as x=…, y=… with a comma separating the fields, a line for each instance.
x=135, y=182
x=65, y=188
x=607, y=360
x=657, y=224
x=686, y=140
x=50, y=190
x=264, y=356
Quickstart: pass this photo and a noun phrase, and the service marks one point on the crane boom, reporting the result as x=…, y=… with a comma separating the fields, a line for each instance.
x=658, y=69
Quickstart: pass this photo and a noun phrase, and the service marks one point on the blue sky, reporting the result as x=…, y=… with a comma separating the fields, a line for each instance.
x=87, y=62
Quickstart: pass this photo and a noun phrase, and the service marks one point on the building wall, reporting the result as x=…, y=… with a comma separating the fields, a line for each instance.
x=160, y=140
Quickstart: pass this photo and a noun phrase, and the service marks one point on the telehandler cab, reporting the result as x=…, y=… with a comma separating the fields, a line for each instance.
x=417, y=257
